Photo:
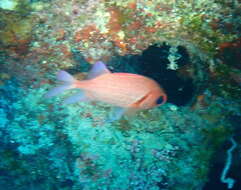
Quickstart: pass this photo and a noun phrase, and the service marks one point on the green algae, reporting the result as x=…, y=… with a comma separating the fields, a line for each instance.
x=203, y=35
x=226, y=86
x=217, y=135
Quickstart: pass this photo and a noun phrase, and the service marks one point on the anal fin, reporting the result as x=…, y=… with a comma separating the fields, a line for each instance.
x=79, y=97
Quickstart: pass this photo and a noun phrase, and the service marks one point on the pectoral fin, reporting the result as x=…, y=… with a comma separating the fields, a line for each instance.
x=116, y=114
x=130, y=112
x=79, y=97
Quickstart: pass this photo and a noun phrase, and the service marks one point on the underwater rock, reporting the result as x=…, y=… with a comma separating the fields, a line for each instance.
x=16, y=31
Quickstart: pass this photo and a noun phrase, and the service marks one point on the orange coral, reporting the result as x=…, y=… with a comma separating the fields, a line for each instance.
x=89, y=32
x=135, y=25
x=65, y=50
x=60, y=34
x=121, y=45
x=114, y=24
x=132, y=5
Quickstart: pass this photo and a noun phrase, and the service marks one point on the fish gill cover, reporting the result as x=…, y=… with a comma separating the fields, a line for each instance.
x=191, y=48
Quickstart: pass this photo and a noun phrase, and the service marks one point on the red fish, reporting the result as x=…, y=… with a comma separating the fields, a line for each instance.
x=129, y=92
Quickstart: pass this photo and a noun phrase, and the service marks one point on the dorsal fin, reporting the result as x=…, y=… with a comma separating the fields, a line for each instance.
x=99, y=68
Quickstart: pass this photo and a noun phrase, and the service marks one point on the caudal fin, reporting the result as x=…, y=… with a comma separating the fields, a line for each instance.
x=67, y=83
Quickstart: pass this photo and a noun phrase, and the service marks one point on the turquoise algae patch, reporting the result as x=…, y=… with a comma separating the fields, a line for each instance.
x=9, y=4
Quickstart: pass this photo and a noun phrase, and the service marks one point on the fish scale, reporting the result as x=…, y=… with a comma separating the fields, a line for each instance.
x=119, y=93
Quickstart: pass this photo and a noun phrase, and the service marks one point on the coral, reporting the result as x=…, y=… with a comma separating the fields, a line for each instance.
x=144, y=153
